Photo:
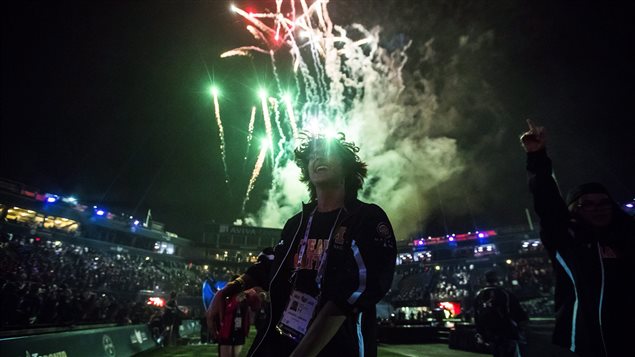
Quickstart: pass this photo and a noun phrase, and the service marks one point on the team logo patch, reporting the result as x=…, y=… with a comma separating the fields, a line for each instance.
x=338, y=240
x=607, y=252
x=383, y=231
x=384, y=235
x=109, y=346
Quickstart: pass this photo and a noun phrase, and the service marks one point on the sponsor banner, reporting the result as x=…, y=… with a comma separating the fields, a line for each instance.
x=190, y=328
x=108, y=342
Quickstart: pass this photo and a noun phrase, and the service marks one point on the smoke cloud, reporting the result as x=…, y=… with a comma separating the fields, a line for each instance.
x=388, y=118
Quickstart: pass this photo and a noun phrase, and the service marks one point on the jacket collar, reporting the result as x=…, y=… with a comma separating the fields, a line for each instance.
x=351, y=206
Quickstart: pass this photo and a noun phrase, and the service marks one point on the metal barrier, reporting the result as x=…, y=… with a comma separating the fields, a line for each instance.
x=109, y=342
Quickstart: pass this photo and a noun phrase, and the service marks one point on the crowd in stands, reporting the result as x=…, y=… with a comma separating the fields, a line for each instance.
x=530, y=278
x=55, y=283
x=50, y=283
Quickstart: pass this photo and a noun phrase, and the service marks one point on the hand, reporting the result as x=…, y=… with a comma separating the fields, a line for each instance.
x=241, y=297
x=321, y=331
x=214, y=314
x=533, y=139
x=479, y=339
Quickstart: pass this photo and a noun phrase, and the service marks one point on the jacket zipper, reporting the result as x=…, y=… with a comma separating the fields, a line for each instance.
x=601, y=298
x=274, y=278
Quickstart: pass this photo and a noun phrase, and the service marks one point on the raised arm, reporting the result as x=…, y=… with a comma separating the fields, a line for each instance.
x=548, y=202
x=533, y=139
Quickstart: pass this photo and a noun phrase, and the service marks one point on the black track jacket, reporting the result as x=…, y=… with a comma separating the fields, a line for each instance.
x=594, y=269
x=359, y=271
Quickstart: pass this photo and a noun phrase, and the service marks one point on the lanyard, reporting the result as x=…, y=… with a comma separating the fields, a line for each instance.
x=303, y=243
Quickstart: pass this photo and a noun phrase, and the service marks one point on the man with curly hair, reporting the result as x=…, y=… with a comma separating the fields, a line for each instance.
x=333, y=264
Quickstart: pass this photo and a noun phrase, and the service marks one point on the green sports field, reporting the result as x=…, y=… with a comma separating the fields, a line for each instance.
x=432, y=350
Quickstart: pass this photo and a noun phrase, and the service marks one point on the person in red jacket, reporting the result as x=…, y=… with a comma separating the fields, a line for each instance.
x=234, y=327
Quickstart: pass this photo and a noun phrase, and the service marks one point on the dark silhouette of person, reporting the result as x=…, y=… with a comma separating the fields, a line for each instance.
x=499, y=318
x=590, y=241
x=172, y=318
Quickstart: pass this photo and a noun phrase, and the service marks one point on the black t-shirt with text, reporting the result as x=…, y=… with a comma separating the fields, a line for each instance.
x=317, y=243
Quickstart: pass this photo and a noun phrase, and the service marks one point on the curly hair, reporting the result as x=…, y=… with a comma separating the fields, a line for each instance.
x=354, y=168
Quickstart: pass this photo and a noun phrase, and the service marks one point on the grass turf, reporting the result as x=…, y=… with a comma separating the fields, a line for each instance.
x=384, y=350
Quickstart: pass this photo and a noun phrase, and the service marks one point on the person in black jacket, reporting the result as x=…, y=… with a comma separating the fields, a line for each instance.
x=333, y=264
x=499, y=318
x=590, y=241
x=172, y=318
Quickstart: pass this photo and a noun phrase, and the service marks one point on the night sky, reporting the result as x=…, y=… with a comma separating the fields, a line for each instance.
x=109, y=102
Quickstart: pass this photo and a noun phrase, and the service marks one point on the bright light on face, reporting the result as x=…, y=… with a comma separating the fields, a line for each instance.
x=330, y=133
x=317, y=126
x=313, y=126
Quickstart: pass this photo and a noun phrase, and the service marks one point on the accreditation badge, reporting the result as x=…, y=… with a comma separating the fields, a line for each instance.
x=297, y=315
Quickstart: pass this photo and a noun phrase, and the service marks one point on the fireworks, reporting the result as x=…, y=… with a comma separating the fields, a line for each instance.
x=321, y=78
x=264, y=146
x=221, y=132
x=266, y=117
x=343, y=81
x=250, y=130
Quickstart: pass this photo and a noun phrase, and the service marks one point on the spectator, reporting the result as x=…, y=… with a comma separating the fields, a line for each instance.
x=236, y=321
x=499, y=318
x=172, y=318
